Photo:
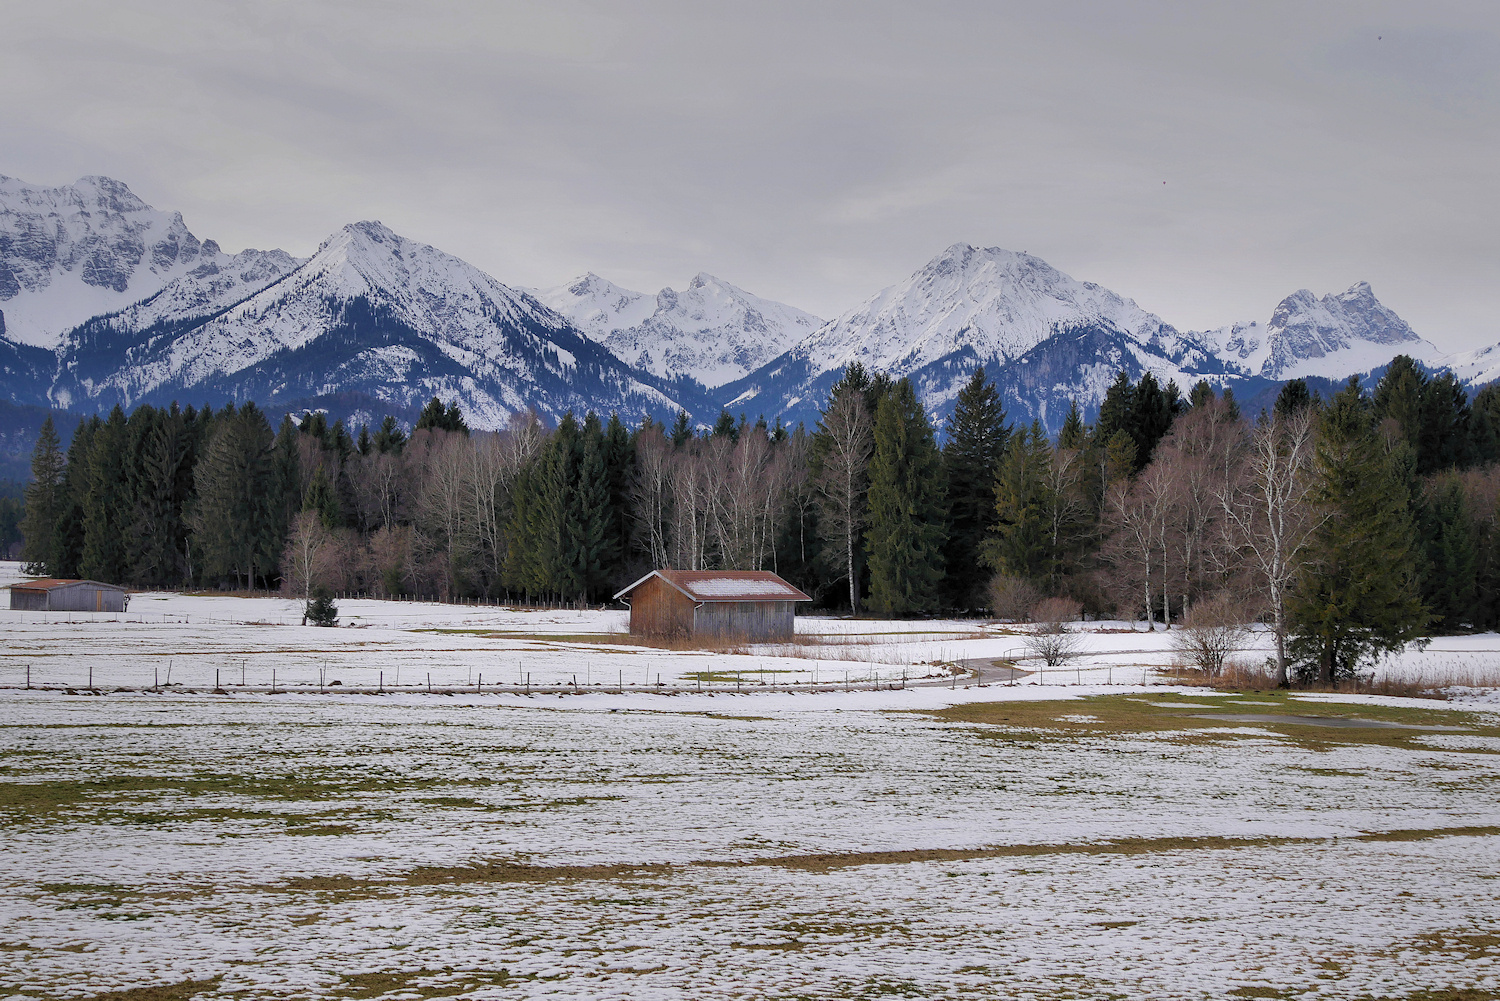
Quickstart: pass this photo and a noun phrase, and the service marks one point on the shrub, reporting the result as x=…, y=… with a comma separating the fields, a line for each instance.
x=1050, y=639
x=1211, y=631
x=320, y=609
x=1012, y=597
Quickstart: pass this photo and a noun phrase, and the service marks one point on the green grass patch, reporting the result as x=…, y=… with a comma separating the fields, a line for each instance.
x=1136, y=715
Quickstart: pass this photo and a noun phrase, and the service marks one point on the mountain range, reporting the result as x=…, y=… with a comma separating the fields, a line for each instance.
x=105, y=300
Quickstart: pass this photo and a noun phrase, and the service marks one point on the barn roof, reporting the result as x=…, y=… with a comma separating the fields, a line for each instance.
x=49, y=583
x=725, y=585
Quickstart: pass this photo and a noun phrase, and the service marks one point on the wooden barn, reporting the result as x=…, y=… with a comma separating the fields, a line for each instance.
x=713, y=604
x=49, y=594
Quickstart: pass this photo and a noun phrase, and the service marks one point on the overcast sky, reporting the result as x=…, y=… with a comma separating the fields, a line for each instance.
x=1203, y=159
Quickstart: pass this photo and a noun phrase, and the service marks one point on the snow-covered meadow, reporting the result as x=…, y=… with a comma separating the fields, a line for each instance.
x=1089, y=833
x=179, y=640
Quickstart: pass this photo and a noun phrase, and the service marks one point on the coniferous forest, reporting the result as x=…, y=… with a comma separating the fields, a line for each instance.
x=1349, y=525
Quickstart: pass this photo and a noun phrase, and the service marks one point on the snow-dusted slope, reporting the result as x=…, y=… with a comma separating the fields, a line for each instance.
x=73, y=252
x=711, y=331
x=997, y=304
x=974, y=306
x=370, y=313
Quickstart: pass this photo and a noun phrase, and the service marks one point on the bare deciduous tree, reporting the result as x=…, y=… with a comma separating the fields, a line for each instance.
x=1051, y=638
x=1267, y=508
x=843, y=479
x=1212, y=630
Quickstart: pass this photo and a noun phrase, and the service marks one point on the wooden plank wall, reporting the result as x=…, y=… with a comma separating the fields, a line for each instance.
x=657, y=609
x=756, y=620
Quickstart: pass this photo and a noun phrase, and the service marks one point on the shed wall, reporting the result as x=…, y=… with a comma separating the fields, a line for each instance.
x=756, y=620
x=83, y=597
x=657, y=609
x=33, y=601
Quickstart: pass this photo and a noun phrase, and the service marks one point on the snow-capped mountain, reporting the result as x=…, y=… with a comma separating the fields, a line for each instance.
x=982, y=306
x=371, y=313
x=73, y=252
x=711, y=331
x=1331, y=338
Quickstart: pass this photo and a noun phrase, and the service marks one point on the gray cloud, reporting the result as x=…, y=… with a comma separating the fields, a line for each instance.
x=809, y=152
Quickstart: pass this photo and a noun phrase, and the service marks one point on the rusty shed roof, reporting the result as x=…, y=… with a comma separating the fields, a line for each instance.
x=725, y=585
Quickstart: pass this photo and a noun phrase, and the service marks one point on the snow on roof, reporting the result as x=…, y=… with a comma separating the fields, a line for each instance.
x=725, y=585
x=48, y=583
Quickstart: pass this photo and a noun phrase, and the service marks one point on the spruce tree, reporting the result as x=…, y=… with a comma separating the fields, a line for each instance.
x=1360, y=596
x=433, y=415
x=1484, y=426
x=1294, y=397
x=724, y=427
x=971, y=459
x=232, y=522
x=43, y=500
x=1073, y=434
x=682, y=430
x=1019, y=542
x=68, y=534
x=390, y=438
x=905, y=537
x=619, y=464
x=1117, y=411
x=320, y=498
x=107, y=503
x=1444, y=440
x=1451, y=539
x=588, y=511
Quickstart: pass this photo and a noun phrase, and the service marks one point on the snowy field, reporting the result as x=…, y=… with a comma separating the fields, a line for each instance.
x=191, y=641
x=1094, y=832
x=1056, y=844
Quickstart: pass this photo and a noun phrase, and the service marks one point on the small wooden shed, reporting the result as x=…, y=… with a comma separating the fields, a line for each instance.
x=714, y=604
x=49, y=594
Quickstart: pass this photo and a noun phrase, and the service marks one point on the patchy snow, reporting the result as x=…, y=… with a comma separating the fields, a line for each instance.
x=273, y=847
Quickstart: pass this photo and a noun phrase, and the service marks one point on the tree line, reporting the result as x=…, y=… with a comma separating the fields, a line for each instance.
x=1356, y=523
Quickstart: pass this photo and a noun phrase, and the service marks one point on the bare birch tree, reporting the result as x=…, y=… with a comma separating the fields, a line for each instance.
x=844, y=478
x=1268, y=508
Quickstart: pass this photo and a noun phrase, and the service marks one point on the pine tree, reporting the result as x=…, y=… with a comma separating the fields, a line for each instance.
x=1398, y=396
x=161, y=457
x=682, y=430
x=905, y=537
x=1154, y=411
x=1201, y=394
x=971, y=459
x=1360, y=597
x=1117, y=411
